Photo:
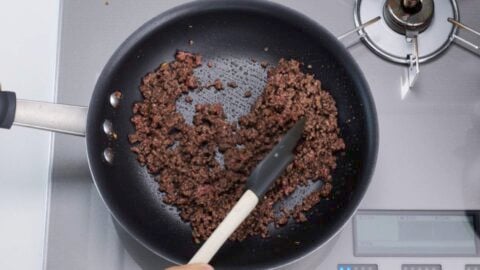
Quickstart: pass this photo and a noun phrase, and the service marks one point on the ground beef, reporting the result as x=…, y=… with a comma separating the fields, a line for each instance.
x=217, y=84
x=183, y=157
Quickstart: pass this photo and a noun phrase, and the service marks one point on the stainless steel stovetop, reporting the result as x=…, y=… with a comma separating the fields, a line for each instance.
x=428, y=162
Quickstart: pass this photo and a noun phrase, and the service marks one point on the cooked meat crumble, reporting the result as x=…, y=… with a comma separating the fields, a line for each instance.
x=182, y=156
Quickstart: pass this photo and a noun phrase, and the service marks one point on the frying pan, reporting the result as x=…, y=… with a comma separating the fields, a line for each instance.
x=230, y=34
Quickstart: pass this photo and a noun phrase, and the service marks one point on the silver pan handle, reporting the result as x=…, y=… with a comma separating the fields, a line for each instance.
x=42, y=115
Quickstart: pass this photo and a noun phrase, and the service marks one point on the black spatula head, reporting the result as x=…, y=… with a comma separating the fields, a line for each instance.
x=273, y=165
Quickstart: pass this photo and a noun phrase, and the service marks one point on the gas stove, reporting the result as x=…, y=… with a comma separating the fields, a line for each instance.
x=422, y=210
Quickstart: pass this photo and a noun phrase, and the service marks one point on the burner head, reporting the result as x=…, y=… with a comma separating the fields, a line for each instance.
x=408, y=15
x=393, y=45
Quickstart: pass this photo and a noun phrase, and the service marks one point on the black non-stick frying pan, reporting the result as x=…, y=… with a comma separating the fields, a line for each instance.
x=230, y=34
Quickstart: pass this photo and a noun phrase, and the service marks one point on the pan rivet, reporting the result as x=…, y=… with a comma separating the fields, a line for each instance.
x=115, y=99
x=108, y=127
x=108, y=155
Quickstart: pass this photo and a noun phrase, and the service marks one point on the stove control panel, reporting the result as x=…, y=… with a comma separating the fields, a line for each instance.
x=407, y=240
x=404, y=267
x=421, y=267
x=357, y=267
x=415, y=234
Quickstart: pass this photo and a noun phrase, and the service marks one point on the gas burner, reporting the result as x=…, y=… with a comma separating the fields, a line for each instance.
x=406, y=22
x=402, y=22
x=408, y=15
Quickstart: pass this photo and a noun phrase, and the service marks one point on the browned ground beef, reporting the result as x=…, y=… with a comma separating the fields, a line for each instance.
x=183, y=156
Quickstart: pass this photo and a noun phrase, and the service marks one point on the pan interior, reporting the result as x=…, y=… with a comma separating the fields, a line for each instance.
x=230, y=34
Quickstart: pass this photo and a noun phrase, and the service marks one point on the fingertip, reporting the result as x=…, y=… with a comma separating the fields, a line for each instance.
x=206, y=267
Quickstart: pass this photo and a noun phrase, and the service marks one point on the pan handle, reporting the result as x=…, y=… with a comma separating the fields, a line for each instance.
x=42, y=115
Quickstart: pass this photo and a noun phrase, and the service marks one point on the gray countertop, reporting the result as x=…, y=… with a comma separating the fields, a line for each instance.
x=28, y=58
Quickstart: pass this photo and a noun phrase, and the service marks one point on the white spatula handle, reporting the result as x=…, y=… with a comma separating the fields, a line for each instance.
x=237, y=215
